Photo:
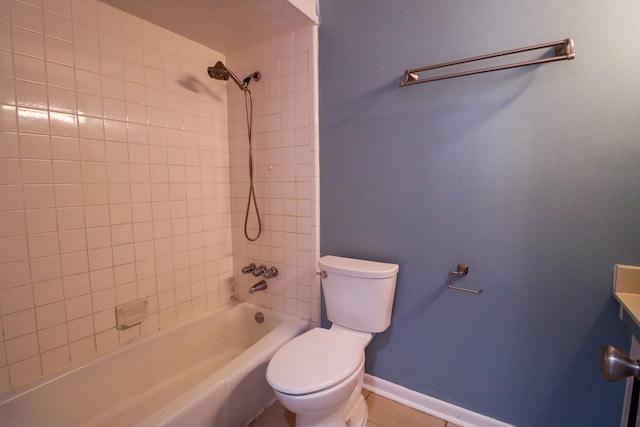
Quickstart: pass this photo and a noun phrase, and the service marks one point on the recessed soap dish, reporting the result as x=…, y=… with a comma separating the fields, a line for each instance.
x=131, y=314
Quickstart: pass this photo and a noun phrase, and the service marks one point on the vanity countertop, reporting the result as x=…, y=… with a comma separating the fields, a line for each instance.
x=626, y=290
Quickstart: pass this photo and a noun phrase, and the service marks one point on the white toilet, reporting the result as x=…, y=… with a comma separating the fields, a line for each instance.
x=319, y=374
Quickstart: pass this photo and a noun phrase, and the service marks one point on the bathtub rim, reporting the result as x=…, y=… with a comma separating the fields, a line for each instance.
x=137, y=341
x=199, y=394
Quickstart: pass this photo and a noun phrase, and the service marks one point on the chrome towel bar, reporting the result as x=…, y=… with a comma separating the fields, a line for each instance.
x=564, y=50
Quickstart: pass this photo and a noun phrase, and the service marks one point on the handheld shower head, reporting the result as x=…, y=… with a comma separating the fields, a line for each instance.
x=218, y=71
x=221, y=72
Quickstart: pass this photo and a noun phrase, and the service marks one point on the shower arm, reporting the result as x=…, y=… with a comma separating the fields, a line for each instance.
x=220, y=72
x=237, y=81
x=244, y=84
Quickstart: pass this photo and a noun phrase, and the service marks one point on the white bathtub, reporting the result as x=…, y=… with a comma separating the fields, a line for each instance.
x=206, y=372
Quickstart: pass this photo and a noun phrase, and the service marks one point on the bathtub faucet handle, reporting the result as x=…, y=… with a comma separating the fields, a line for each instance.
x=270, y=273
x=259, y=270
x=249, y=268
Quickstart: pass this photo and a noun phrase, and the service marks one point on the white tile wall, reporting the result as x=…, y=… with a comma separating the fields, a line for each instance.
x=114, y=181
x=285, y=152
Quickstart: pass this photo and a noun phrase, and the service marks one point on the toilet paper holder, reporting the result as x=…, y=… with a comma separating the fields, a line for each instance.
x=462, y=270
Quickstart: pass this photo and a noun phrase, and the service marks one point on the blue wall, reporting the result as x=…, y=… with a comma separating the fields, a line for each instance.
x=531, y=176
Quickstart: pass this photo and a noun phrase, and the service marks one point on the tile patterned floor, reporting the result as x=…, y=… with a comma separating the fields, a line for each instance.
x=383, y=412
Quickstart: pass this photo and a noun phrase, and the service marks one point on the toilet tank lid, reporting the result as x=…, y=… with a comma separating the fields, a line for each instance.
x=357, y=267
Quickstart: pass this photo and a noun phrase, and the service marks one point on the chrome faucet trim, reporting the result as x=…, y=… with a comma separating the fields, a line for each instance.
x=259, y=270
x=249, y=268
x=260, y=286
x=270, y=273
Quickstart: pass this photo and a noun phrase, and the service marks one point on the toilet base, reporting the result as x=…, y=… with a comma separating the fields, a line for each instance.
x=353, y=414
x=357, y=417
x=359, y=414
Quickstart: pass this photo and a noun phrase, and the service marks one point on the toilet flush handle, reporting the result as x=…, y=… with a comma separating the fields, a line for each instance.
x=322, y=274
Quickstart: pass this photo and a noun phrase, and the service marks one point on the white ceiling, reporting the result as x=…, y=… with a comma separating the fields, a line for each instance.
x=223, y=25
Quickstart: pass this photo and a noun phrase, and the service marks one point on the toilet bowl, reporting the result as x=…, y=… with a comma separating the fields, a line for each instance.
x=318, y=375
x=315, y=376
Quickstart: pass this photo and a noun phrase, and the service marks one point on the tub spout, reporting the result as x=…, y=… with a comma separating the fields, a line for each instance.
x=260, y=286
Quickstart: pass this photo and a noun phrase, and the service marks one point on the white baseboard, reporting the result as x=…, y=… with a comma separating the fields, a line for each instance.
x=422, y=402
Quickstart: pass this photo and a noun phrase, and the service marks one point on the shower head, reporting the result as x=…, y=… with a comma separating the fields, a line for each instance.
x=218, y=71
x=221, y=72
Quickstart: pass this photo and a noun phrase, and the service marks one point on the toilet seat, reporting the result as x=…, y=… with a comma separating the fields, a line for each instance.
x=314, y=361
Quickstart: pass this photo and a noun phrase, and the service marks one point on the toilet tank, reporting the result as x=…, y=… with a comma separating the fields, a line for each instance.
x=358, y=293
